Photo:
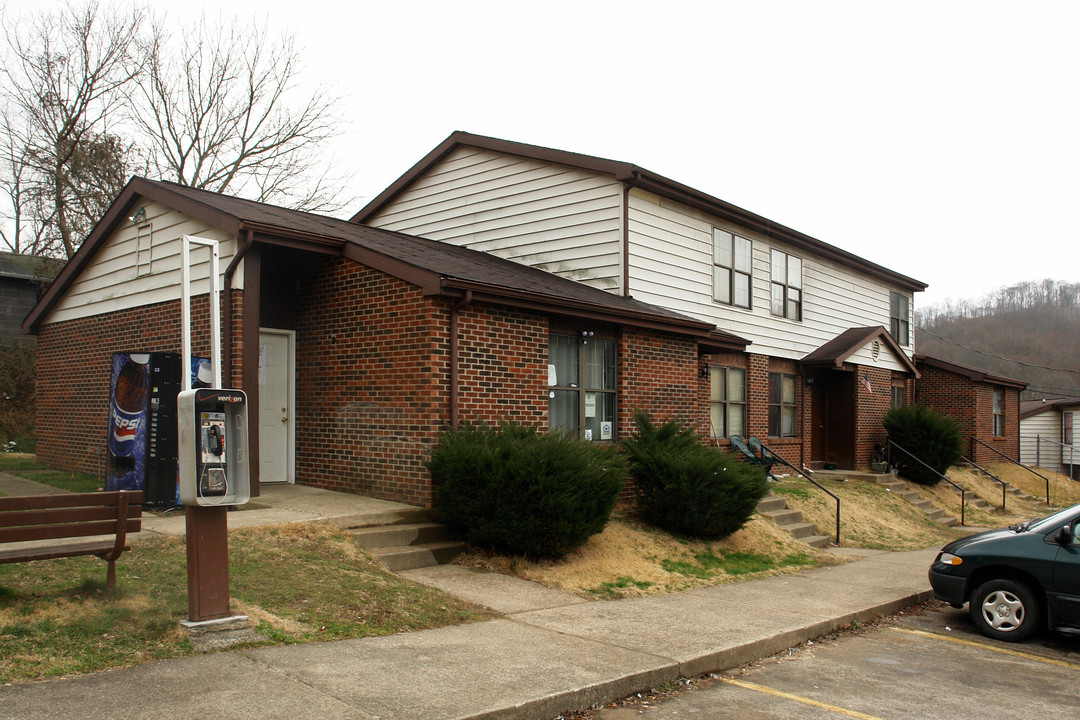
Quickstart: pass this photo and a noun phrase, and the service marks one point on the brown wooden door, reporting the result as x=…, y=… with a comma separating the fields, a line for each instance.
x=832, y=413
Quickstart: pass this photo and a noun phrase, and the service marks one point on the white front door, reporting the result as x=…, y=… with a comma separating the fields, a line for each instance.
x=276, y=431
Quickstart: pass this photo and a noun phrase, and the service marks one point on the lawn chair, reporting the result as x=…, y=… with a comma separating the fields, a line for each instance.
x=751, y=457
x=768, y=457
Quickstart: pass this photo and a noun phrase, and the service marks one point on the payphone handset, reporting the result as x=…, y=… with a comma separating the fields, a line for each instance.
x=213, y=447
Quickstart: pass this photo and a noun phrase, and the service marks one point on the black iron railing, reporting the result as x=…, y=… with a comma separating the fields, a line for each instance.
x=963, y=493
x=1014, y=462
x=777, y=459
x=992, y=476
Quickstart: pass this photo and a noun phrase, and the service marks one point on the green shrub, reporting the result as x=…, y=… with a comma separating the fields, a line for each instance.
x=686, y=487
x=17, y=396
x=932, y=438
x=522, y=492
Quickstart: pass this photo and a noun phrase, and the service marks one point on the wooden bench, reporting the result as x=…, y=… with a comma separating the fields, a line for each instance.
x=32, y=519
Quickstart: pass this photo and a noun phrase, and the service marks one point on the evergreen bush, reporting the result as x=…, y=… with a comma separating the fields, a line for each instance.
x=688, y=488
x=932, y=438
x=518, y=491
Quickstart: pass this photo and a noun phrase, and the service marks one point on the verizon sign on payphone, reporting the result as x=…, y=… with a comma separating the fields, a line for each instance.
x=213, y=437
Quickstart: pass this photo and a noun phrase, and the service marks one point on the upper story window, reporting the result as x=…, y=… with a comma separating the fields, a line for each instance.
x=581, y=386
x=786, y=285
x=999, y=412
x=900, y=318
x=727, y=406
x=732, y=268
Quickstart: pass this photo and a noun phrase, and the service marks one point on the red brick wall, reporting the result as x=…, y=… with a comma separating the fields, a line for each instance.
x=658, y=373
x=971, y=404
x=373, y=371
x=870, y=409
x=73, y=363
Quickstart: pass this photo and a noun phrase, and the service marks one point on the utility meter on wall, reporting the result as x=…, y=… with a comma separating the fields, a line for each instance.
x=212, y=443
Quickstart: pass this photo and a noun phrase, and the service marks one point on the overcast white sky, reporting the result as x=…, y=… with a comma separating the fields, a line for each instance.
x=939, y=139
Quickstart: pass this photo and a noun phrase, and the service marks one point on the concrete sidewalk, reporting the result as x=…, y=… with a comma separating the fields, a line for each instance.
x=553, y=652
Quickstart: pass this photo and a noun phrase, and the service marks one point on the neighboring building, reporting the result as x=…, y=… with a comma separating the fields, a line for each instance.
x=987, y=407
x=1047, y=435
x=22, y=280
x=829, y=332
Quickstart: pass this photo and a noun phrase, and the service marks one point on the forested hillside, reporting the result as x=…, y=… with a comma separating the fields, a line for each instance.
x=1029, y=331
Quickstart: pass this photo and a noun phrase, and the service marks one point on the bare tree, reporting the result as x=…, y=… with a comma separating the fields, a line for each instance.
x=65, y=75
x=217, y=113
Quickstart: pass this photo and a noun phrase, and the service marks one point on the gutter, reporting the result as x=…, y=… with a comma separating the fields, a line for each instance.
x=243, y=244
x=455, y=306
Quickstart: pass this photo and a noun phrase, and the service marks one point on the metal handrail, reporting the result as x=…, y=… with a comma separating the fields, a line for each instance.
x=777, y=457
x=1014, y=462
x=992, y=476
x=963, y=493
x=1039, y=440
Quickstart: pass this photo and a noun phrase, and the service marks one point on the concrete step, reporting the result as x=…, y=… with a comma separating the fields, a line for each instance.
x=818, y=541
x=784, y=517
x=948, y=521
x=410, y=557
x=771, y=503
x=934, y=513
x=800, y=530
x=397, y=535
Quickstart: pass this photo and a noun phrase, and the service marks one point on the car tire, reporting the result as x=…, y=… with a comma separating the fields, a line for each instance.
x=1005, y=610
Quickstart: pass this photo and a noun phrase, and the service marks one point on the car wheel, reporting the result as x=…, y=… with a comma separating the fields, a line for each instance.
x=1005, y=610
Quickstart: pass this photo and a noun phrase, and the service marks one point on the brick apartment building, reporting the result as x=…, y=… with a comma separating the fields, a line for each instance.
x=495, y=280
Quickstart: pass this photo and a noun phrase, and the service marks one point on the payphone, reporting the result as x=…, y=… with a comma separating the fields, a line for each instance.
x=213, y=447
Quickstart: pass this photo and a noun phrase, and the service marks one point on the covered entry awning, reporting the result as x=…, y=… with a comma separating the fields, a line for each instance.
x=861, y=346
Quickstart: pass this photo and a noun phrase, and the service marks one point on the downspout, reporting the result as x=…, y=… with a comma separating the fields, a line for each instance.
x=229, y=272
x=455, y=305
x=626, y=239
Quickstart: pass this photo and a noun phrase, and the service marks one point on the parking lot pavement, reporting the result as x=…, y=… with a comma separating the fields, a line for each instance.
x=926, y=664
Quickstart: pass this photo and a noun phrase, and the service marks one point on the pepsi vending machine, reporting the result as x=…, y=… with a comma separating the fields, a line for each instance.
x=142, y=443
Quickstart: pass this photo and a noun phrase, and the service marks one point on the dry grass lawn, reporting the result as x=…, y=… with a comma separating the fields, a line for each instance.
x=630, y=559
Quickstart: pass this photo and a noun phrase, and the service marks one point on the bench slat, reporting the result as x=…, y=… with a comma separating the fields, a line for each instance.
x=35, y=502
x=57, y=551
x=22, y=518
x=50, y=532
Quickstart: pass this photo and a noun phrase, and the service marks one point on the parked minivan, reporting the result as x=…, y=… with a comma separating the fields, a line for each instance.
x=1015, y=580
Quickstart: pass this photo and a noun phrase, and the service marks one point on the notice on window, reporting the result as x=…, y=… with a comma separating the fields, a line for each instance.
x=605, y=431
x=588, y=434
x=552, y=377
x=590, y=405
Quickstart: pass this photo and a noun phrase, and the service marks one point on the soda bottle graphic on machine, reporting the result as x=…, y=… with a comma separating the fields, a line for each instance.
x=127, y=415
x=142, y=440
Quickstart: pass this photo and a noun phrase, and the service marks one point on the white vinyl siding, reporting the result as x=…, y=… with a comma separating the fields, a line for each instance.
x=1045, y=425
x=671, y=264
x=559, y=219
x=124, y=275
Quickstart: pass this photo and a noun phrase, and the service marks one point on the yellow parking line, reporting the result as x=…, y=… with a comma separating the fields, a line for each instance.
x=798, y=698
x=1003, y=651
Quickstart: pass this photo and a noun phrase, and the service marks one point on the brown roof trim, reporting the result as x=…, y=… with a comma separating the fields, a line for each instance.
x=274, y=229
x=117, y=213
x=1029, y=408
x=639, y=177
x=579, y=308
x=837, y=351
x=969, y=372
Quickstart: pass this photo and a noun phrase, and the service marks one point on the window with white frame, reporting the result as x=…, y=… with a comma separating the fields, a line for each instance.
x=732, y=268
x=581, y=386
x=900, y=318
x=786, y=287
x=999, y=412
x=727, y=406
x=783, y=408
